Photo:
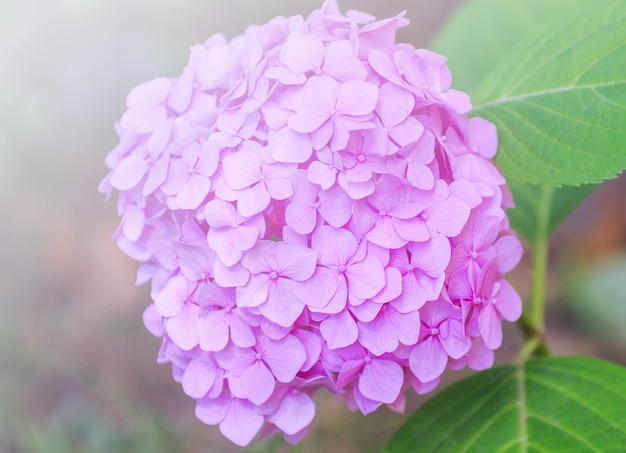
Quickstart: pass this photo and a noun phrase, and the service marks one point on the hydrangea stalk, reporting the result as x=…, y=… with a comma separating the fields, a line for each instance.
x=313, y=209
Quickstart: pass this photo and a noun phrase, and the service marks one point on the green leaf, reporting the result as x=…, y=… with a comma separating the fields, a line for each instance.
x=468, y=38
x=559, y=99
x=543, y=206
x=562, y=404
x=474, y=27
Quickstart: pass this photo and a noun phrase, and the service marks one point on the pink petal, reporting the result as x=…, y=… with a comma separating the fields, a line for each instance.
x=357, y=98
x=290, y=146
x=302, y=52
x=449, y=217
x=285, y=358
x=220, y=213
x=134, y=221
x=241, y=422
x=301, y=217
x=255, y=292
x=182, y=327
x=128, y=172
x=308, y=120
x=212, y=411
x=171, y=300
x=157, y=174
x=341, y=63
x=374, y=336
x=407, y=132
x=339, y=330
x=199, y=377
x=257, y=383
x=296, y=412
x=334, y=246
x=279, y=188
x=431, y=256
x=318, y=290
x=482, y=137
x=213, y=331
x=312, y=345
x=335, y=206
x=193, y=192
x=366, y=279
x=428, y=359
x=230, y=276
x=381, y=380
x=282, y=306
x=242, y=169
x=490, y=326
x=394, y=105
x=296, y=262
x=253, y=200
x=240, y=332
x=508, y=302
x=509, y=252
x=384, y=234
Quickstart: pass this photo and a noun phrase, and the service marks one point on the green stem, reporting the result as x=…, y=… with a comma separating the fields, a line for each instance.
x=533, y=320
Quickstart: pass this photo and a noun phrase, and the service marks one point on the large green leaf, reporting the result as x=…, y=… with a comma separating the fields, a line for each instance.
x=482, y=32
x=560, y=404
x=468, y=41
x=559, y=99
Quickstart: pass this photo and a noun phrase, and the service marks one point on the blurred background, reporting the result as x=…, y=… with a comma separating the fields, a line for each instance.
x=78, y=370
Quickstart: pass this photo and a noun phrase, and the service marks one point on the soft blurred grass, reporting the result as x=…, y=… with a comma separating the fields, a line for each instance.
x=78, y=370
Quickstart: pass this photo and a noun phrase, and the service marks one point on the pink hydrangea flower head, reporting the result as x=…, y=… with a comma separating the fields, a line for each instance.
x=314, y=209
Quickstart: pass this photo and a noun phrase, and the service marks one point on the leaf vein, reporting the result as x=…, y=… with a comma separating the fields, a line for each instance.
x=559, y=427
x=524, y=96
x=583, y=403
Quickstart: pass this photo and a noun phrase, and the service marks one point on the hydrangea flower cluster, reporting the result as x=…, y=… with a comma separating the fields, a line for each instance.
x=314, y=210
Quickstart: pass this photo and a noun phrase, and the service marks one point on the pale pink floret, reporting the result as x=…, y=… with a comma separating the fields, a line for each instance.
x=276, y=270
x=441, y=336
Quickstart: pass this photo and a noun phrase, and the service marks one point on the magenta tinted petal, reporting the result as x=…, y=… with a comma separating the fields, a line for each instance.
x=241, y=169
x=490, y=327
x=212, y=411
x=290, y=146
x=182, y=327
x=509, y=251
x=257, y=383
x=366, y=279
x=381, y=380
x=318, y=290
x=357, y=98
x=339, y=330
x=282, y=306
x=428, y=359
x=449, y=217
x=193, y=192
x=213, y=331
x=128, y=173
x=285, y=357
x=241, y=422
x=508, y=302
x=240, y=332
x=375, y=338
x=302, y=52
x=199, y=377
x=172, y=298
x=296, y=412
x=308, y=120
